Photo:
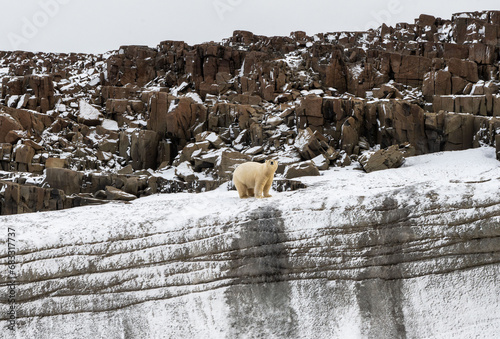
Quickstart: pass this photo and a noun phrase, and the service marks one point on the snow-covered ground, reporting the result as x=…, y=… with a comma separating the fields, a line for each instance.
x=185, y=291
x=338, y=186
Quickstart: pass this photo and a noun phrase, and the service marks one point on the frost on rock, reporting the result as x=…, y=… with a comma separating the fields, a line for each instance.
x=110, y=125
x=87, y=113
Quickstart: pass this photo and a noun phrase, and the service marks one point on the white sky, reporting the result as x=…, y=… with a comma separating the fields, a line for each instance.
x=97, y=26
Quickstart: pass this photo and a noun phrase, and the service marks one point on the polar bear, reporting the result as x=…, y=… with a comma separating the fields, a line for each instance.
x=253, y=178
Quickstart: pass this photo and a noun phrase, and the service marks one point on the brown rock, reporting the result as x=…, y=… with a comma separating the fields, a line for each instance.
x=118, y=106
x=24, y=154
x=383, y=159
x=7, y=124
x=463, y=68
x=482, y=53
x=113, y=193
x=428, y=86
x=443, y=83
x=457, y=51
x=496, y=105
x=36, y=168
x=311, y=106
x=301, y=169
x=34, y=145
x=165, y=152
x=109, y=146
x=181, y=120
x=321, y=162
x=124, y=145
x=14, y=136
x=64, y=179
x=56, y=163
x=160, y=103
x=350, y=135
x=5, y=151
x=307, y=144
x=256, y=134
x=426, y=20
x=144, y=149
x=228, y=161
x=185, y=171
x=126, y=170
x=189, y=149
x=458, y=131
x=27, y=198
x=212, y=137
x=88, y=114
x=402, y=122
x=411, y=69
x=387, y=91
x=458, y=85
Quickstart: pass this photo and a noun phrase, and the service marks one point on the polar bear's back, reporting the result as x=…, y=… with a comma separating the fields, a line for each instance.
x=247, y=172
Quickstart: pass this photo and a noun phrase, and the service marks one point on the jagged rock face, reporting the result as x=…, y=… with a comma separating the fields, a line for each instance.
x=433, y=84
x=380, y=262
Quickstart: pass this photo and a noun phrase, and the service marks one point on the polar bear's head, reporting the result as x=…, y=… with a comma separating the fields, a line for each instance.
x=272, y=164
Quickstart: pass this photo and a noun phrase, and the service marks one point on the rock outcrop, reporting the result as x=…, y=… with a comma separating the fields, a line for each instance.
x=433, y=84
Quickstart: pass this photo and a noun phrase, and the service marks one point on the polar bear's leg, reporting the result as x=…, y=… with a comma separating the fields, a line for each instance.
x=250, y=192
x=267, y=187
x=259, y=188
x=242, y=189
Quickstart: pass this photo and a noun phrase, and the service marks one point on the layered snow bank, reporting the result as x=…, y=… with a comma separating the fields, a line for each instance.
x=411, y=252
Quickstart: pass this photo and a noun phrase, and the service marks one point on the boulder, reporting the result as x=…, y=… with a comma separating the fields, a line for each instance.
x=109, y=146
x=14, y=136
x=64, y=179
x=256, y=134
x=117, y=106
x=113, y=193
x=382, y=159
x=387, y=91
x=301, y=169
x=464, y=69
x=307, y=144
x=310, y=111
x=402, y=122
x=5, y=151
x=410, y=69
x=7, y=124
x=56, y=163
x=183, y=115
x=321, y=162
x=159, y=107
x=458, y=131
x=228, y=161
x=126, y=170
x=24, y=154
x=144, y=149
x=191, y=148
x=186, y=172
x=18, y=199
x=88, y=114
x=212, y=137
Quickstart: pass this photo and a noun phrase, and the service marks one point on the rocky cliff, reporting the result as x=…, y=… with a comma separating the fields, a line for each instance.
x=76, y=127
x=412, y=252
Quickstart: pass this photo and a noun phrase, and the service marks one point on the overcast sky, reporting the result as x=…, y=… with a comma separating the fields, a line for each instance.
x=98, y=26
